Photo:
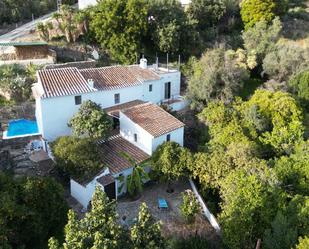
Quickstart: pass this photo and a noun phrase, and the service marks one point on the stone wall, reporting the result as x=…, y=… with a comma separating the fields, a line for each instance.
x=25, y=110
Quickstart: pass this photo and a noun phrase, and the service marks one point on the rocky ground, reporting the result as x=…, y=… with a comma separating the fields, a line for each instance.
x=21, y=163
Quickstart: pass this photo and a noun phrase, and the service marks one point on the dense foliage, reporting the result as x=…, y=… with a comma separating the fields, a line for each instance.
x=76, y=157
x=137, y=178
x=16, y=81
x=31, y=210
x=146, y=233
x=171, y=161
x=13, y=11
x=190, y=207
x=299, y=85
x=90, y=121
x=219, y=74
x=119, y=27
x=100, y=229
x=257, y=158
x=253, y=11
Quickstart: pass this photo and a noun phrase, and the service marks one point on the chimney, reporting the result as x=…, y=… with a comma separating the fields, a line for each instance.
x=143, y=63
x=91, y=83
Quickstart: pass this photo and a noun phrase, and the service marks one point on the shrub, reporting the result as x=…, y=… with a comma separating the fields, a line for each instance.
x=190, y=206
x=76, y=157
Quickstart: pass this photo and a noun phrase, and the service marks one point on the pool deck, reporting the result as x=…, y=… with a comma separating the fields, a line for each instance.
x=4, y=136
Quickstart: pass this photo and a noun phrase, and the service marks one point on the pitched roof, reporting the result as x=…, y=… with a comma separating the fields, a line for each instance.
x=153, y=119
x=111, y=149
x=63, y=81
x=114, y=77
x=114, y=110
x=106, y=180
x=71, y=81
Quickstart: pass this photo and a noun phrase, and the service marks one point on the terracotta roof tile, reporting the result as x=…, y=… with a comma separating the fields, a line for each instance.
x=64, y=81
x=114, y=77
x=114, y=110
x=71, y=81
x=153, y=119
x=110, y=152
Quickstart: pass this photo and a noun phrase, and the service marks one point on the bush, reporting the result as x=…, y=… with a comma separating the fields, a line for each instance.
x=193, y=242
x=17, y=81
x=299, y=85
x=31, y=210
x=190, y=207
x=76, y=157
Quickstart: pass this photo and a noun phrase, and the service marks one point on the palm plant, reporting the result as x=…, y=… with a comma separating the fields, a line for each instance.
x=137, y=178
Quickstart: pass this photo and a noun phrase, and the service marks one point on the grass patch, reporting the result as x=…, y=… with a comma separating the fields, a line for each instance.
x=249, y=87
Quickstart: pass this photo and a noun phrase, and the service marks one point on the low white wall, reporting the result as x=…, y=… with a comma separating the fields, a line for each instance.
x=83, y=194
x=211, y=218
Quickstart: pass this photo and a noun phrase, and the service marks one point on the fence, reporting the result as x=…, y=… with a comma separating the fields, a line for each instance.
x=211, y=218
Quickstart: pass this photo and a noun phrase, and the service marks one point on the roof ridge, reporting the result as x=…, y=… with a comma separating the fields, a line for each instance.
x=57, y=69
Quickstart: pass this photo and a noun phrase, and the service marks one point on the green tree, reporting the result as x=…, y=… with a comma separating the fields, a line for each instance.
x=299, y=86
x=119, y=27
x=137, y=178
x=171, y=160
x=253, y=11
x=77, y=157
x=190, y=207
x=206, y=12
x=284, y=61
x=44, y=30
x=98, y=229
x=146, y=233
x=293, y=171
x=218, y=75
x=170, y=29
x=303, y=243
x=248, y=206
x=31, y=210
x=90, y=121
x=262, y=37
x=16, y=81
x=281, y=235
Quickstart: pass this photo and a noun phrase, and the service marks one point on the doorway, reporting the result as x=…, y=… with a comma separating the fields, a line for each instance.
x=167, y=90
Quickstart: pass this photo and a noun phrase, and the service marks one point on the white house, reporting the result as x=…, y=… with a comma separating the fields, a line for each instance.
x=59, y=92
x=143, y=127
x=130, y=95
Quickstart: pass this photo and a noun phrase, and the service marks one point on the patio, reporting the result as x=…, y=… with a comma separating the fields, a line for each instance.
x=172, y=222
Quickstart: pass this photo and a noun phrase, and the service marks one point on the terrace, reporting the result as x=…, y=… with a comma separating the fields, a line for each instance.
x=173, y=223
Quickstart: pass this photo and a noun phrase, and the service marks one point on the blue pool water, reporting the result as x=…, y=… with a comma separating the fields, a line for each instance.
x=22, y=127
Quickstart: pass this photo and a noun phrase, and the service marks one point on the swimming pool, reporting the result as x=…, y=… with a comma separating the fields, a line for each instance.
x=21, y=128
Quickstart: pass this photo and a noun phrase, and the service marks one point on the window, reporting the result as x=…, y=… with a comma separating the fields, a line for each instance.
x=168, y=137
x=135, y=137
x=150, y=88
x=117, y=98
x=78, y=100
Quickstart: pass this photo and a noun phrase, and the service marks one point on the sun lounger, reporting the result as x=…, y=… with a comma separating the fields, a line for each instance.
x=162, y=203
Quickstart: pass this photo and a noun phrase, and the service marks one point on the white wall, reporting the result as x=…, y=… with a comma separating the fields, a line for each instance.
x=85, y=3
x=176, y=136
x=83, y=194
x=158, y=87
x=57, y=111
x=53, y=114
x=127, y=130
x=145, y=141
